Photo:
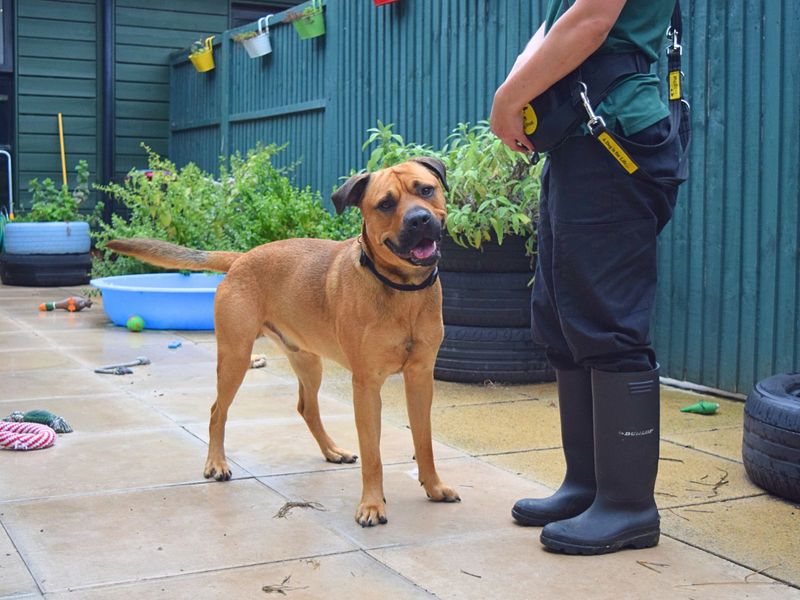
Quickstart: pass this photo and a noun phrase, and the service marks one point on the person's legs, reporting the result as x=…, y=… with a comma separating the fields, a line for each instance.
x=604, y=225
x=574, y=391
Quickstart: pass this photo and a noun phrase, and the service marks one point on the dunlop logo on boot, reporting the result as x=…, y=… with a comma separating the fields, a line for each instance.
x=640, y=387
x=641, y=433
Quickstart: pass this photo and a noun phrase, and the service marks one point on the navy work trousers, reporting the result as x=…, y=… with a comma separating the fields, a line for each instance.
x=596, y=274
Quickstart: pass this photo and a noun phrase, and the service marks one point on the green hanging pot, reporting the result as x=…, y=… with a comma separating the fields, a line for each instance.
x=312, y=22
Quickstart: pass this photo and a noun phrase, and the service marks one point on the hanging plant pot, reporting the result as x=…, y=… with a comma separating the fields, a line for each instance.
x=257, y=42
x=311, y=22
x=202, y=55
x=382, y=2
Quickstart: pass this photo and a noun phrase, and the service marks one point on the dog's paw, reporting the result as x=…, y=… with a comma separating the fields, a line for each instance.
x=440, y=492
x=371, y=513
x=339, y=456
x=218, y=469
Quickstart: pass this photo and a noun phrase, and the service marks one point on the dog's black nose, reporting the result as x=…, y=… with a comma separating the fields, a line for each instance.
x=417, y=218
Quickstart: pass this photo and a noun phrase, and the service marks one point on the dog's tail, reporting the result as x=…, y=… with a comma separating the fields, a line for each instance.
x=172, y=256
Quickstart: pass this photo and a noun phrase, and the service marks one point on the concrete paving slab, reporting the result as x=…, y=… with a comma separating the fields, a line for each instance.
x=257, y=401
x=762, y=533
x=513, y=565
x=15, y=580
x=487, y=495
x=339, y=577
x=87, y=463
x=272, y=447
x=685, y=477
x=31, y=384
x=725, y=442
x=96, y=414
x=501, y=427
x=34, y=360
x=126, y=537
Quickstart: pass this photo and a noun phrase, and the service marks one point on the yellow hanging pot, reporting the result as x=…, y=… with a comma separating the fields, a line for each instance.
x=203, y=59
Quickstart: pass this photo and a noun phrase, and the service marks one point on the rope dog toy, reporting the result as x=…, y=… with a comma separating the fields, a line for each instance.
x=25, y=436
x=43, y=417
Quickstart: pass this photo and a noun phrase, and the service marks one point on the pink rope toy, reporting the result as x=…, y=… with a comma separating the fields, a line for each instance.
x=25, y=436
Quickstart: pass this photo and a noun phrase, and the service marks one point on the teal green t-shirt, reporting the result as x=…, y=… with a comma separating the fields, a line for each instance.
x=636, y=102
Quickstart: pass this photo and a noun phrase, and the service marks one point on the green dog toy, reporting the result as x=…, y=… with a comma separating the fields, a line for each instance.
x=135, y=323
x=701, y=408
x=43, y=417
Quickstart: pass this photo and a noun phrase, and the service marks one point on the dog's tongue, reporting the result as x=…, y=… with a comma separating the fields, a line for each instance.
x=424, y=249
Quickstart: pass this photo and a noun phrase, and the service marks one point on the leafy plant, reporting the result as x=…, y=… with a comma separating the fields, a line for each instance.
x=52, y=204
x=243, y=37
x=197, y=47
x=494, y=191
x=390, y=148
x=309, y=11
x=252, y=203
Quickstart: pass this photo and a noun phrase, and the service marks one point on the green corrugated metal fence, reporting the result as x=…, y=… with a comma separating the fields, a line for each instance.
x=424, y=66
x=729, y=292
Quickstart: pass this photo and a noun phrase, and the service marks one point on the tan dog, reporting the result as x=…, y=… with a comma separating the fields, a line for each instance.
x=338, y=300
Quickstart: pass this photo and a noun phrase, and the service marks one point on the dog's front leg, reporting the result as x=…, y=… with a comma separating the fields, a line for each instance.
x=367, y=404
x=418, y=379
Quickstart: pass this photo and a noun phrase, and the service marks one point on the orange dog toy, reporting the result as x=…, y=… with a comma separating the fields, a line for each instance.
x=72, y=304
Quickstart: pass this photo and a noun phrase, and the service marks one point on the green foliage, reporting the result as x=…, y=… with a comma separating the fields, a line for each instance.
x=252, y=203
x=494, y=191
x=390, y=148
x=51, y=204
x=243, y=37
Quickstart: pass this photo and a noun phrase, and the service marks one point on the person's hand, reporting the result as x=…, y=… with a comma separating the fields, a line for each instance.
x=506, y=123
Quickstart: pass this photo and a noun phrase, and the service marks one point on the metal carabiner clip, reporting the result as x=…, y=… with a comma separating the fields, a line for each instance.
x=674, y=47
x=595, y=122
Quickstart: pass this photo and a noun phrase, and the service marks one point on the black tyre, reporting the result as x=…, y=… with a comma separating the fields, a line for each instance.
x=771, y=440
x=45, y=270
x=508, y=257
x=497, y=354
x=486, y=299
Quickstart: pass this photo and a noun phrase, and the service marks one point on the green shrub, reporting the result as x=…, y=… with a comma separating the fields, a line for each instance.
x=52, y=204
x=253, y=202
x=494, y=191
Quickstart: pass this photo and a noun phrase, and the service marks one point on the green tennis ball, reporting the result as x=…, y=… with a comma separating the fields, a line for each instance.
x=135, y=323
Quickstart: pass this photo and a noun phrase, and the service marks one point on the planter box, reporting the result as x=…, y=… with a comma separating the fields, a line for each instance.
x=486, y=308
x=45, y=270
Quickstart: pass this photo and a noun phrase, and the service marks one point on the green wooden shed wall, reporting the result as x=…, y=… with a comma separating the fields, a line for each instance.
x=58, y=69
x=729, y=295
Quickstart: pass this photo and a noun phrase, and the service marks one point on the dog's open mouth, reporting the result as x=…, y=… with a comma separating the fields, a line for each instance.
x=425, y=253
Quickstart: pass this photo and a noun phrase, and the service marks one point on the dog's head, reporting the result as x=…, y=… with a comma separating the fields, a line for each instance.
x=403, y=209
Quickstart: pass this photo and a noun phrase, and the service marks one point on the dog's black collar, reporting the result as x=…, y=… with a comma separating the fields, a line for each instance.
x=366, y=261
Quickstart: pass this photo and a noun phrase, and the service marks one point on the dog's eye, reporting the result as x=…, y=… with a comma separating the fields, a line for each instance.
x=386, y=205
x=426, y=191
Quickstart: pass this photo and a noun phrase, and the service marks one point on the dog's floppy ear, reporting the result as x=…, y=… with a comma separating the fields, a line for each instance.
x=350, y=193
x=435, y=166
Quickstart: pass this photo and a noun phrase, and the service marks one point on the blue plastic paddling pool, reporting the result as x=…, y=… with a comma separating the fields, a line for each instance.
x=163, y=300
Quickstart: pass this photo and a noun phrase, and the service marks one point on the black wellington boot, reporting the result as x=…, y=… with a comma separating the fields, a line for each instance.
x=626, y=437
x=576, y=493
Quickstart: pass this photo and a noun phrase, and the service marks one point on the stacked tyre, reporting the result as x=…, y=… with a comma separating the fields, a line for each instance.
x=486, y=309
x=771, y=440
x=46, y=254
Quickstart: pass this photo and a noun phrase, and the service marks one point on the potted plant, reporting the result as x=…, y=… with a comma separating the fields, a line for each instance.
x=487, y=254
x=202, y=54
x=310, y=23
x=49, y=244
x=256, y=42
